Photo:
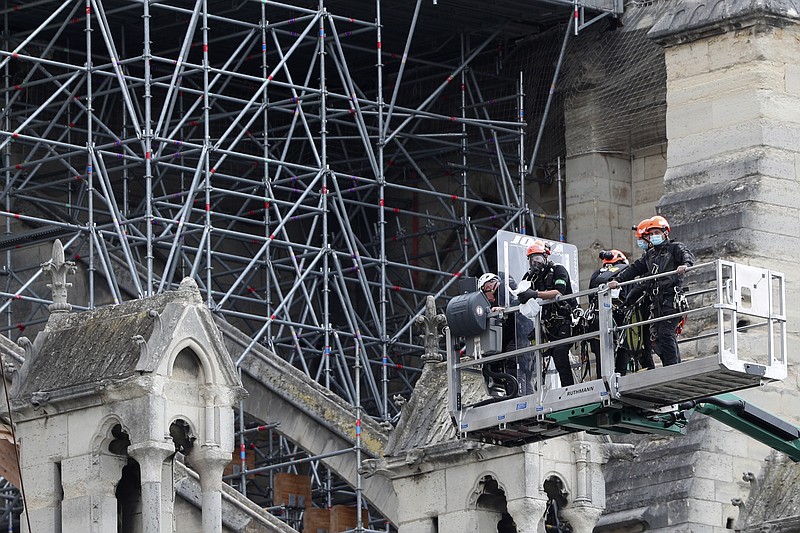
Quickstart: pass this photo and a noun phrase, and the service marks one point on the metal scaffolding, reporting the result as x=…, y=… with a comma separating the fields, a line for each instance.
x=317, y=169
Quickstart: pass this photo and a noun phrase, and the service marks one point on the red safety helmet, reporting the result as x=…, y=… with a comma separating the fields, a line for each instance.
x=611, y=257
x=657, y=222
x=538, y=247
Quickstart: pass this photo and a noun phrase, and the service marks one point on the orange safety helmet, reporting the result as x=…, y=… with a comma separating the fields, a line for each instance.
x=657, y=222
x=611, y=257
x=538, y=247
x=641, y=228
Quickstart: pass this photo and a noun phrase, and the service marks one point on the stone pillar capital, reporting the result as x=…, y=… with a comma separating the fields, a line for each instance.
x=209, y=462
x=151, y=455
x=528, y=514
x=582, y=518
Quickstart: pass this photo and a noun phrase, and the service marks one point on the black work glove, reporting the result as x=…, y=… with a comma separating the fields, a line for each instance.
x=524, y=296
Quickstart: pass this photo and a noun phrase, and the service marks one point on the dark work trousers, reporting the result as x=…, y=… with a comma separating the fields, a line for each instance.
x=560, y=354
x=621, y=358
x=666, y=341
x=525, y=373
x=646, y=359
x=621, y=354
x=646, y=355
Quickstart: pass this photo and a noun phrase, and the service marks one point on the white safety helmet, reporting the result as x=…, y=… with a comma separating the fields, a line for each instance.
x=486, y=278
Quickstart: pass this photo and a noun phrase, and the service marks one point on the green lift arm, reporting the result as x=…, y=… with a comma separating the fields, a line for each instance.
x=753, y=421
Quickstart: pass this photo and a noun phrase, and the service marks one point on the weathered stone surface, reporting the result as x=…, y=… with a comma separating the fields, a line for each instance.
x=693, y=19
x=774, y=498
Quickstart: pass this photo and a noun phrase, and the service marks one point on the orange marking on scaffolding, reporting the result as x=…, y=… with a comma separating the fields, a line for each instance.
x=456, y=274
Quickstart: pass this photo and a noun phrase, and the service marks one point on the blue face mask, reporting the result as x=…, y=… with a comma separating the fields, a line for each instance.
x=641, y=243
x=655, y=240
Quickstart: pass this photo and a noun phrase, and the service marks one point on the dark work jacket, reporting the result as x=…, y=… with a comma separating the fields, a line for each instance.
x=602, y=276
x=605, y=274
x=663, y=258
x=554, y=276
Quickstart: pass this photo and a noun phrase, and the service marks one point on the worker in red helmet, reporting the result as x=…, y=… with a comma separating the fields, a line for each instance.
x=666, y=293
x=550, y=281
x=613, y=263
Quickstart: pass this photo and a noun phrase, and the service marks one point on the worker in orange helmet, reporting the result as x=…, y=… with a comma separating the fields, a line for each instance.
x=551, y=281
x=638, y=303
x=640, y=229
x=666, y=293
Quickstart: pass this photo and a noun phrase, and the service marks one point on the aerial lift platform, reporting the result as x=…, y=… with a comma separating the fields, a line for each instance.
x=737, y=317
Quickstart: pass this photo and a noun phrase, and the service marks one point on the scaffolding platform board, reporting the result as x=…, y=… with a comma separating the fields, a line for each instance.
x=689, y=380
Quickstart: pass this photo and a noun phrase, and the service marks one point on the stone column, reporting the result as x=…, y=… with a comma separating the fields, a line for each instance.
x=732, y=184
x=733, y=121
x=528, y=514
x=598, y=200
x=210, y=461
x=89, y=483
x=151, y=455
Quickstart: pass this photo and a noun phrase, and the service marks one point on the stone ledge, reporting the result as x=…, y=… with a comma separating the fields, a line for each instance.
x=691, y=20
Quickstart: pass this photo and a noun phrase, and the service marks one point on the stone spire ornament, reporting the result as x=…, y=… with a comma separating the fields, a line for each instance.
x=58, y=270
x=431, y=322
